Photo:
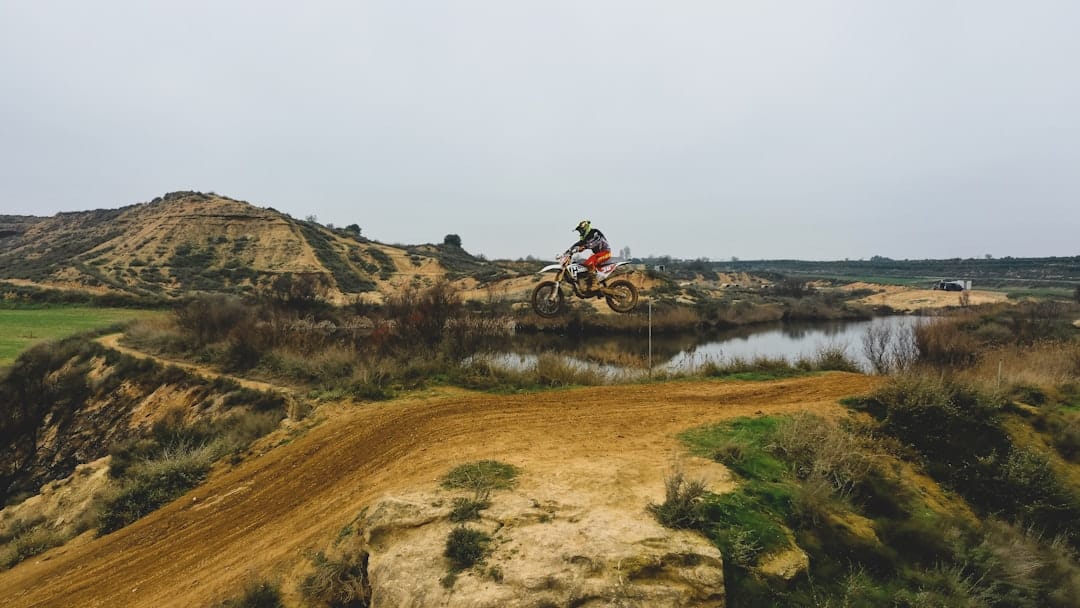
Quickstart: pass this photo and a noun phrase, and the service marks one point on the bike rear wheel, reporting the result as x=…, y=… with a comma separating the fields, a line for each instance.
x=547, y=299
x=621, y=295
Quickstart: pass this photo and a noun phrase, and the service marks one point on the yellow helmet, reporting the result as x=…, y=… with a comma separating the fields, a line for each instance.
x=583, y=227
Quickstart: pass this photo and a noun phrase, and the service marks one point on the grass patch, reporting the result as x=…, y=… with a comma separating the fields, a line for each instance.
x=23, y=540
x=151, y=484
x=750, y=521
x=23, y=327
x=482, y=475
x=740, y=445
x=744, y=524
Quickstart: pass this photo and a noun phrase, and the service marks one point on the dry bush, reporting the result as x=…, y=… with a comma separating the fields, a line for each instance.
x=946, y=343
x=830, y=357
x=742, y=312
x=329, y=366
x=670, y=318
x=153, y=483
x=890, y=349
x=1023, y=567
x=682, y=502
x=210, y=319
x=339, y=580
x=157, y=335
x=823, y=450
x=1043, y=363
x=467, y=335
x=773, y=366
x=22, y=539
x=422, y=314
x=555, y=370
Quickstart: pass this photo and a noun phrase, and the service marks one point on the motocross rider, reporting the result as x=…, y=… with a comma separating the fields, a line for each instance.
x=594, y=241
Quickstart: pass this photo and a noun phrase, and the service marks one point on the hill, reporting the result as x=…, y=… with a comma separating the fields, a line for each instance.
x=188, y=242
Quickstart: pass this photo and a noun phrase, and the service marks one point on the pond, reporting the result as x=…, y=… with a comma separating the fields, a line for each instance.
x=685, y=351
x=794, y=341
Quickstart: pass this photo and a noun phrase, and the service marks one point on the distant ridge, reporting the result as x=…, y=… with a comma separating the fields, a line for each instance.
x=185, y=242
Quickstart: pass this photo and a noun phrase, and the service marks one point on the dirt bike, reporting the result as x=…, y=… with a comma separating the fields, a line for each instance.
x=548, y=297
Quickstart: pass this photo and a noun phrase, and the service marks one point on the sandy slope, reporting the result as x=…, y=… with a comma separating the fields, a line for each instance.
x=910, y=299
x=259, y=518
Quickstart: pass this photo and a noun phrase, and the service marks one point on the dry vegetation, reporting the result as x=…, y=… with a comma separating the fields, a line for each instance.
x=985, y=404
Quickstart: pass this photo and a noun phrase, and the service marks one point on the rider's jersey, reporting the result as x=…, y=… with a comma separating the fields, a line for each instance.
x=594, y=240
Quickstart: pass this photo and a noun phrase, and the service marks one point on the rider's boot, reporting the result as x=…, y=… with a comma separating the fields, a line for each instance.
x=590, y=281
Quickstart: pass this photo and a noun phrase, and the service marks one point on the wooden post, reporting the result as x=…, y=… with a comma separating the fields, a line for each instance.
x=650, y=338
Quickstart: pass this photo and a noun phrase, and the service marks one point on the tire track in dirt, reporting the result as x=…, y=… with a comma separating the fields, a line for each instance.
x=261, y=516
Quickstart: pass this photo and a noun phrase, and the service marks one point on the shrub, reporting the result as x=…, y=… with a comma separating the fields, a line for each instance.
x=552, y=370
x=818, y=449
x=746, y=518
x=1022, y=568
x=152, y=484
x=758, y=368
x=833, y=357
x=210, y=318
x=682, y=503
x=422, y=315
x=946, y=343
x=1063, y=427
x=467, y=509
x=465, y=547
x=340, y=581
x=947, y=422
x=963, y=445
x=889, y=349
x=26, y=540
x=257, y=594
x=791, y=287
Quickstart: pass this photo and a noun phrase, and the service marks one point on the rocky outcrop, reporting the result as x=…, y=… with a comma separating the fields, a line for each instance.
x=541, y=553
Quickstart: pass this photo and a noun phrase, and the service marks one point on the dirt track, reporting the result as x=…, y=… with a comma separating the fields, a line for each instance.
x=260, y=517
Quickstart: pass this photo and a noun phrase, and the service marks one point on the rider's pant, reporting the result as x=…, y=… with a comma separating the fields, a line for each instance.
x=597, y=258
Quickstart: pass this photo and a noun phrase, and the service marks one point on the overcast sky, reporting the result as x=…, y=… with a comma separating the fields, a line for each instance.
x=758, y=129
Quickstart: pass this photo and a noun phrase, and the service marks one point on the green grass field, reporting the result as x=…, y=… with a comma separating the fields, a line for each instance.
x=20, y=328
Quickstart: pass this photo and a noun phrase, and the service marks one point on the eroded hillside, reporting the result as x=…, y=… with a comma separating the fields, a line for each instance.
x=189, y=242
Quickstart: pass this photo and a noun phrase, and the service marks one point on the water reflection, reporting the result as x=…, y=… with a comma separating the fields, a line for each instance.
x=790, y=341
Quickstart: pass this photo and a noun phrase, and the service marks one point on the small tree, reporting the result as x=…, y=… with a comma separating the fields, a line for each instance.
x=453, y=240
x=353, y=229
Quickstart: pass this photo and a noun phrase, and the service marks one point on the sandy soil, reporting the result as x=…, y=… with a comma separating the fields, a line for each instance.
x=260, y=517
x=909, y=299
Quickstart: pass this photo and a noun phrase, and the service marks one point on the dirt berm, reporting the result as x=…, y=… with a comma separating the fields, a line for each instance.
x=262, y=518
